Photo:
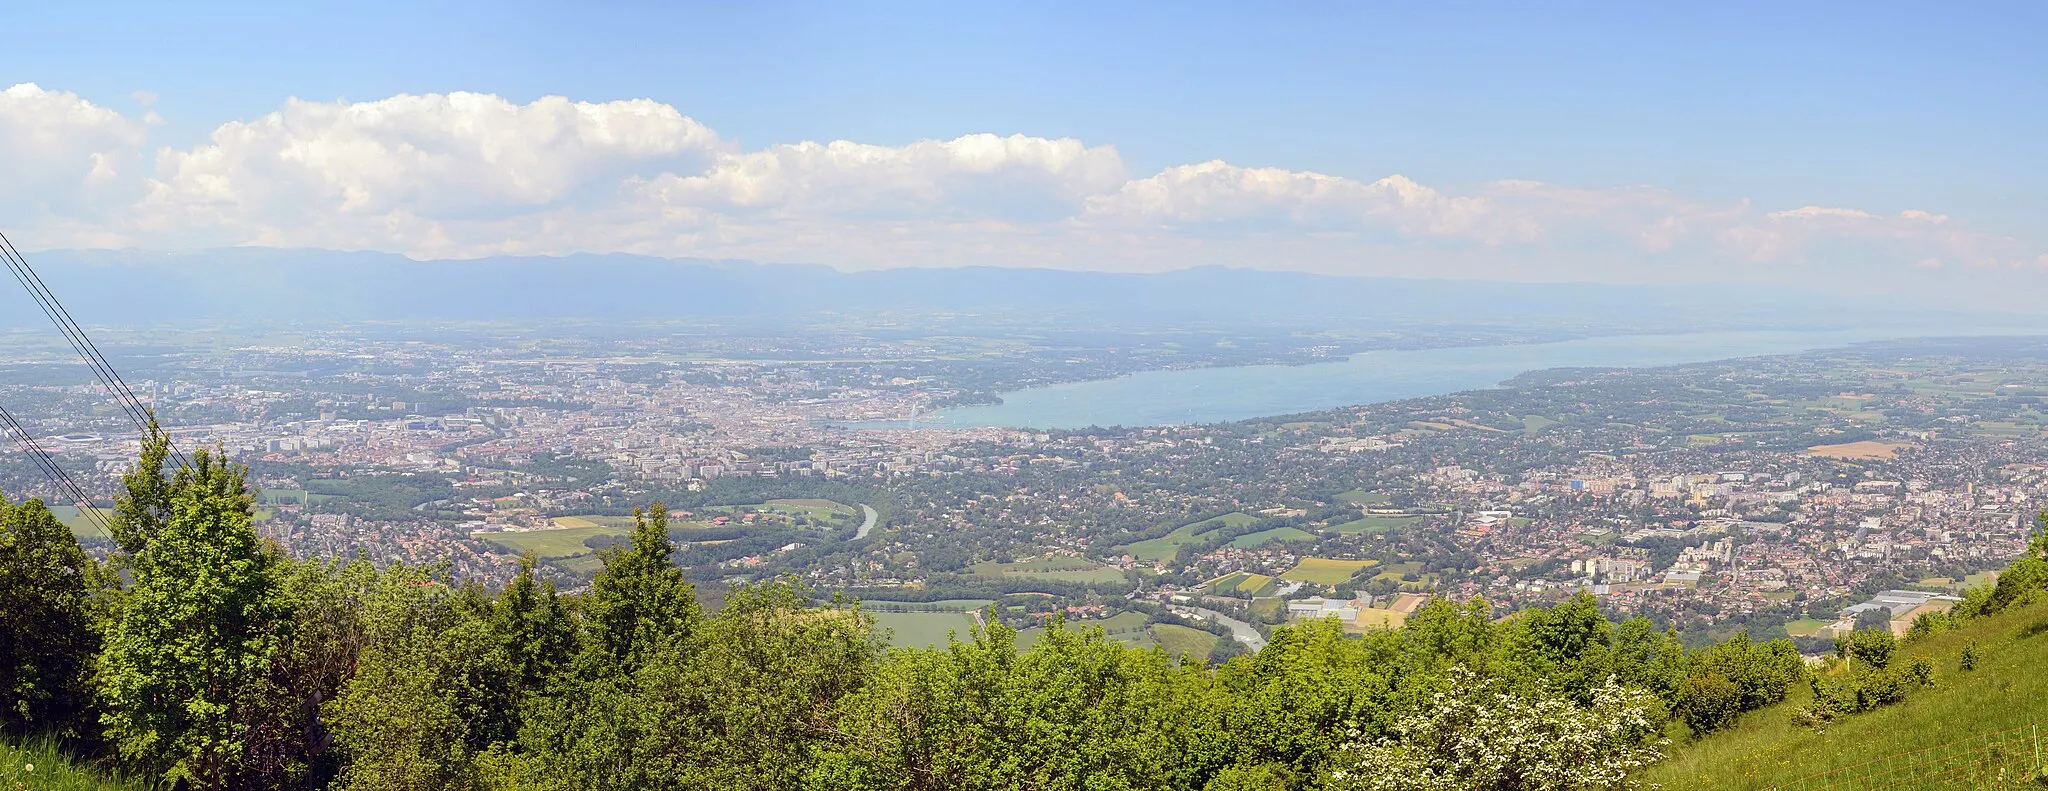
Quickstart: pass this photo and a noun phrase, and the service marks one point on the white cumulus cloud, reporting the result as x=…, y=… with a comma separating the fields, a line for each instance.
x=66, y=161
x=468, y=174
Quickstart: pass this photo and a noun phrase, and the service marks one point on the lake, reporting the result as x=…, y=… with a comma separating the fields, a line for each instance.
x=1209, y=395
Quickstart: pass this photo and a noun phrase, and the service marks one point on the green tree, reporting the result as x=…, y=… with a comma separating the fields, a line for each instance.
x=47, y=637
x=586, y=730
x=432, y=690
x=1871, y=647
x=143, y=507
x=185, y=677
x=640, y=601
x=1076, y=711
x=750, y=697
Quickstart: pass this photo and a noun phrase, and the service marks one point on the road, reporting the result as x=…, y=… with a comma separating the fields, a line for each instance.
x=867, y=522
x=1242, y=631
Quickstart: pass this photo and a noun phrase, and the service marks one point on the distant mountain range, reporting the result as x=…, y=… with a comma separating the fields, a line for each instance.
x=127, y=287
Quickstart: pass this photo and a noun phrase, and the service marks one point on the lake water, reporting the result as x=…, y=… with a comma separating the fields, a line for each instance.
x=1208, y=395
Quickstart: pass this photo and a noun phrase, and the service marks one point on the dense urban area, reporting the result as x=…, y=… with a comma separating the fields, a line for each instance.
x=1788, y=496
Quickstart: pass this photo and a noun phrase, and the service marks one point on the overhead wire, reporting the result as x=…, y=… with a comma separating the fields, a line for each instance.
x=47, y=464
x=103, y=370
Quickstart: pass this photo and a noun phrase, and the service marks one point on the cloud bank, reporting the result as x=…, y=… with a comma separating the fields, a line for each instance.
x=466, y=175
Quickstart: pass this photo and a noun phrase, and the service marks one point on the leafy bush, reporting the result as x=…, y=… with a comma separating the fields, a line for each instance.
x=1477, y=735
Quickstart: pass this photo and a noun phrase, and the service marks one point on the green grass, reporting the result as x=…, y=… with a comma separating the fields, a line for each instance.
x=82, y=526
x=1372, y=524
x=581, y=564
x=943, y=605
x=1804, y=627
x=1062, y=569
x=1162, y=548
x=1119, y=624
x=53, y=771
x=2007, y=690
x=1363, y=497
x=556, y=543
x=1280, y=534
x=907, y=629
x=1531, y=424
x=1241, y=583
x=1326, y=571
x=1184, y=641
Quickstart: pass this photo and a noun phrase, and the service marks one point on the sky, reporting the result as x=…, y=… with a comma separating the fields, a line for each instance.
x=1873, y=147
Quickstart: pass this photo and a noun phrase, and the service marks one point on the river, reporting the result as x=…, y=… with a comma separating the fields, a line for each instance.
x=1208, y=395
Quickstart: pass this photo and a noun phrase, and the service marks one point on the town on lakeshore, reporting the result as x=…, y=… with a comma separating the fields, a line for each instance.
x=1795, y=495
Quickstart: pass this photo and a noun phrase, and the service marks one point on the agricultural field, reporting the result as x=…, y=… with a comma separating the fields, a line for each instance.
x=783, y=513
x=1162, y=548
x=619, y=523
x=921, y=629
x=1858, y=450
x=943, y=605
x=1123, y=624
x=1184, y=641
x=1326, y=571
x=1373, y=524
x=291, y=498
x=1363, y=497
x=1804, y=627
x=1279, y=534
x=1057, y=568
x=1405, y=571
x=1241, y=584
x=82, y=526
x=557, y=543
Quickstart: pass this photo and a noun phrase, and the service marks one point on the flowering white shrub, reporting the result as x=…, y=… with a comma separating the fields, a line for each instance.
x=1478, y=736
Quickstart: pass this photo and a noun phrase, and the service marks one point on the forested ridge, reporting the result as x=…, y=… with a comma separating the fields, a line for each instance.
x=198, y=656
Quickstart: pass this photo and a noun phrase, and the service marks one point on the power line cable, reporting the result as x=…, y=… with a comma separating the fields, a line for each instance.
x=47, y=464
x=102, y=369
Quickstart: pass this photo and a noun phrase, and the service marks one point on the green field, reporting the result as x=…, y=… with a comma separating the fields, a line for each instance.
x=82, y=526
x=1162, y=548
x=1532, y=424
x=1184, y=641
x=1241, y=584
x=556, y=543
x=1372, y=524
x=1062, y=569
x=943, y=605
x=1280, y=534
x=2007, y=691
x=1363, y=497
x=1804, y=627
x=822, y=510
x=293, y=497
x=1405, y=571
x=908, y=629
x=1326, y=571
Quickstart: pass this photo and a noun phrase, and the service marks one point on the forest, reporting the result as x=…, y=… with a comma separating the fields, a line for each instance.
x=198, y=656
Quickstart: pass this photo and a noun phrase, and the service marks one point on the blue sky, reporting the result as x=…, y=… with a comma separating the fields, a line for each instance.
x=1880, y=108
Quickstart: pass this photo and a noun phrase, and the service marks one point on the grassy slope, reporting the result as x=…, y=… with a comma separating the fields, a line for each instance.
x=52, y=772
x=2009, y=689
